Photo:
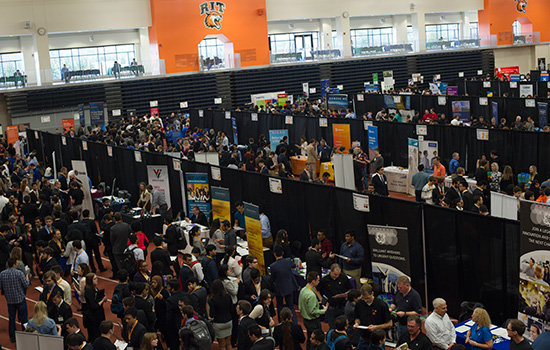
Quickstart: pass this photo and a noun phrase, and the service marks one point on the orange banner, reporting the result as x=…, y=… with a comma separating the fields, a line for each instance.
x=68, y=124
x=13, y=133
x=341, y=136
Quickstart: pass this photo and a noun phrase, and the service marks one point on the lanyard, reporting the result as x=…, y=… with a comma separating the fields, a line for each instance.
x=258, y=286
x=80, y=252
x=145, y=276
x=158, y=293
x=131, y=331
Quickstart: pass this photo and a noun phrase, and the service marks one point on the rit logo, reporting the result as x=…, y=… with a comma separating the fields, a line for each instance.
x=210, y=6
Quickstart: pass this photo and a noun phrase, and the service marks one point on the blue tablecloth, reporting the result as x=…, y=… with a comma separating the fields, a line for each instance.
x=499, y=343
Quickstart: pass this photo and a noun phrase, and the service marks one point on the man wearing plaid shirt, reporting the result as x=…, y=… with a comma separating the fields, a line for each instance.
x=13, y=284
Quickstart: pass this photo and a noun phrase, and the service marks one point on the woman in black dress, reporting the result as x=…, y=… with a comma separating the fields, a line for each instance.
x=93, y=308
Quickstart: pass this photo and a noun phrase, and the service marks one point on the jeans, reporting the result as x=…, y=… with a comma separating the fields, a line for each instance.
x=21, y=309
x=331, y=315
x=364, y=344
x=286, y=301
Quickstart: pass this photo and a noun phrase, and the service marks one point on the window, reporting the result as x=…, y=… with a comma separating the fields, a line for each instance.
x=293, y=42
x=211, y=48
x=83, y=58
x=10, y=63
x=474, y=30
x=516, y=28
x=442, y=32
x=282, y=43
x=371, y=37
x=410, y=34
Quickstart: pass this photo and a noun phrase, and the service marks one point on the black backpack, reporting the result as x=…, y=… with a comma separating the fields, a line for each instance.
x=129, y=262
x=182, y=241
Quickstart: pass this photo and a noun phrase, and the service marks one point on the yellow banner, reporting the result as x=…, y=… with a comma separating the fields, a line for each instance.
x=221, y=206
x=254, y=234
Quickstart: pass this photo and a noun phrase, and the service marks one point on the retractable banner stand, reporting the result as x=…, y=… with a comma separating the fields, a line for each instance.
x=341, y=136
x=534, y=288
x=462, y=109
x=372, y=132
x=198, y=191
x=158, y=178
x=221, y=205
x=275, y=136
x=81, y=115
x=79, y=168
x=428, y=150
x=235, y=133
x=254, y=233
x=97, y=114
x=543, y=114
x=495, y=112
x=413, y=163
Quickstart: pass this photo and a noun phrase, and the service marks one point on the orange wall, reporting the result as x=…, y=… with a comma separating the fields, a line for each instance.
x=178, y=28
x=498, y=16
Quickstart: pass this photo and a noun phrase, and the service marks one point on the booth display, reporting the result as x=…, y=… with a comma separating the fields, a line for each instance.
x=397, y=178
x=501, y=341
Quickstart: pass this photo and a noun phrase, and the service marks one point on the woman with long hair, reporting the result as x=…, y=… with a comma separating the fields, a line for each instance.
x=216, y=238
x=235, y=269
x=17, y=253
x=196, y=242
x=24, y=189
x=144, y=201
x=82, y=270
x=58, y=247
x=479, y=336
x=231, y=286
x=507, y=178
x=260, y=312
x=534, y=175
x=282, y=239
x=41, y=322
x=93, y=308
x=160, y=295
x=221, y=310
x=288, y=335
x=150, y=341
x=26, y=240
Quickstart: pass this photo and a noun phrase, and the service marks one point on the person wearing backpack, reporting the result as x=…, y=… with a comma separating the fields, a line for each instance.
x=121, y=291
x=337, y=339
x=198, y=327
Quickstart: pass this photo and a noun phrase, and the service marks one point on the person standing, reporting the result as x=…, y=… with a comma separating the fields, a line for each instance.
x=158, y=201
x=308, y=303
x=419, y=180
x=284, y=282
x=439, y=327
x=439, y=169
x=314, y=260
x=265, y=226
x=353, y=254
x=116, y=70
x=312, y=158
x=65, y=74
x=335, y=286
x=380, y=182
x=378, y=160
x=407, y=303
x=370, y=312
x=454, y=164
x=120, y=232
x=516, y=329
x=13, y=284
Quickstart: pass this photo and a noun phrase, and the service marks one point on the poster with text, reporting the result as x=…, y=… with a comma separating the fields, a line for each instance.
x=12, y=132
x=79, y=168
x=275, y=137
x=462, y=109
x=254, y=234
x=198, y=191
x=67, y=124
x=337, y=101
x=372, y=132
x=413, y=163
x=235, y=133
x=81, y=115
x=158, y=178
x=341, y=136
x=97, y=114
x=427, y=151
x=543, y=114
x=534, y=265
x=221, y=205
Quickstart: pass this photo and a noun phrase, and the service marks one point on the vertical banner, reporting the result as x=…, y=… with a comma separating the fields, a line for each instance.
x=97, y=114
x=158, y=178
x=543, y=114
x=462, y=109
x=305, y=89
x=12, y=132
x=254, y=234
x=81, y=114
x=372, y=132
x=153, y=108
x=79, y=168
x=341, y=136
x=198, y=192
x=68, y=124
x=413, y=163
x=428, y=150
x=534, y=263
x=275, y=136
x=235, y=133
x=495, y=111
x=325, y=87
x=221, y=205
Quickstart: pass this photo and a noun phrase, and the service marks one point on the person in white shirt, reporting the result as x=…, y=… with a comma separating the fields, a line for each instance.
x=133, y=247
x=3, y=200
x=455, y=121
x=80, y=256
x=427, y=190
x=196, y=267
x=439, y=327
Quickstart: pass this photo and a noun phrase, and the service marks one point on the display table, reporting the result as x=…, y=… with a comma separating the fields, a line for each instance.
x=298, y=163
x=501, y=341
x=149, y=225
x=397, y=179
x=472, y=183
x=115, y=203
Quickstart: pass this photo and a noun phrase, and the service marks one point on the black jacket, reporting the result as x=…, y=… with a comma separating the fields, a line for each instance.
x=163, y=256
x=243, y=340
x=315, y=261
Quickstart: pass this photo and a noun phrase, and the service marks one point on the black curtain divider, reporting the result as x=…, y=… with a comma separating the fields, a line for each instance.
x=468, y=256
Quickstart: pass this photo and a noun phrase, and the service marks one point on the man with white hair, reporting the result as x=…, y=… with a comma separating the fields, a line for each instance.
x=439, y=327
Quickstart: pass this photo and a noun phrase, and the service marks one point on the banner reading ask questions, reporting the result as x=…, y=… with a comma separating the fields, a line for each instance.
x=221, y=205
x=254, y=233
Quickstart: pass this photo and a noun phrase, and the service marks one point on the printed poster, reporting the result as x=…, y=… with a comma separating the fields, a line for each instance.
x=275, y=185
x=427, y=151
x=413, y=163
x=79, y=168
x=158, y=178
x=97, y=114
x=372, y=132
x=275, y=137
x=221, y=205
x=254, y=234
x=81, y=115
x=198, y=191
x=341, y=136
x=462, y=109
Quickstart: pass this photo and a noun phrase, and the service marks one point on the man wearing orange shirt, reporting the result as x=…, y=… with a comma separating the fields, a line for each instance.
x=439, y=169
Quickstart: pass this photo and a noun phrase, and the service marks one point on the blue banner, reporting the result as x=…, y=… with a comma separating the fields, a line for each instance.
x=462, y=109
x=97, y=114
x=372, y=87
x=198, y=192
x=275, y=136
x=81, y=115
x=388, y=101
x=325, y=86
x=495, y=112
x=372, y=132
x=408, y=103
x=235, y=133
x=337, y=101
x=543, y=114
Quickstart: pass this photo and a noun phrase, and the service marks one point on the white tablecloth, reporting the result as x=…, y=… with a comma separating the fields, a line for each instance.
x=397, y=179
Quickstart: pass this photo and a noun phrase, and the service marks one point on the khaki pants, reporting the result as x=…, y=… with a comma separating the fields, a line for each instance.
x=356, y=274
x=313, y=168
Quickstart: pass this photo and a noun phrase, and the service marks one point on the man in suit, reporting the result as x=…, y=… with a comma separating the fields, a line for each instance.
x=59, y=224
x=284, y=282
x=119, y=238
x=243, y=310
x=61, y=311
x=481, y=172
x=198, y=296
x=467, y=196
x=452, y=193
x=162, y=255
x=254, y=286
x=283, y=159
x=198, y=217
x=380, y=183
x=77, y=342
x=106, y=226
x=50, y=289
x=314, y=260
x=478, y=202
x=45, y=233
x=47, y=261
x=306, y=174
x=132, y=331
x=481, y=190
x=259, y=342
x=171, y=236
x=92, y=243
x=438, y=193
x=173, y=313
x=144, y=305
x=45, y=207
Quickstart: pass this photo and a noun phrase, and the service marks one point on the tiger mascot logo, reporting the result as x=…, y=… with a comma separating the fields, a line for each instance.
x=521, y=5
x=213, y=20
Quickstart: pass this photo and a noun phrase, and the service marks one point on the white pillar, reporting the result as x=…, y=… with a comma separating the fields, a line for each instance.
x=42, y=59
x=400, y=29
x=465, y=26
x=343, y=34
x=27, y=51
x=325, y=34
x=419, y=30
x=144, y=50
